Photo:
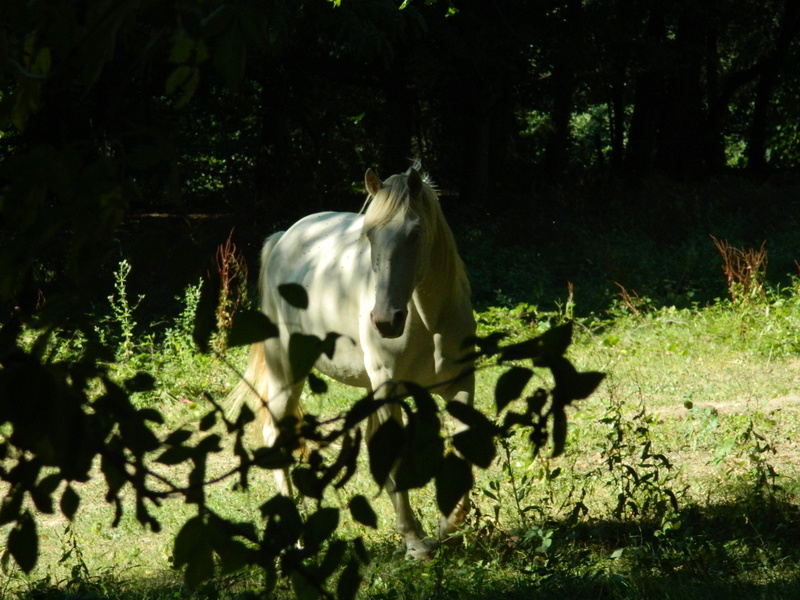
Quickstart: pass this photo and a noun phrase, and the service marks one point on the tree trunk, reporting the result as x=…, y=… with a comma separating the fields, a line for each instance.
x=771, y=67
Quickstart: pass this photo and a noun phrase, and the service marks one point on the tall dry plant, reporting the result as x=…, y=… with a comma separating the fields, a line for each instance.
x=745, y=270
x=232, y=269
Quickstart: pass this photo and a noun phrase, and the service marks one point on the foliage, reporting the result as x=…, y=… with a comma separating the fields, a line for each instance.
x=129, y=450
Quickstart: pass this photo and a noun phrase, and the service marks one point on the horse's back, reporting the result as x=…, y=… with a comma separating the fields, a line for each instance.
x=322, y=253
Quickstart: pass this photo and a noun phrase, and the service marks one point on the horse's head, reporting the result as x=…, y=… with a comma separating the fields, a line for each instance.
x=395, y=234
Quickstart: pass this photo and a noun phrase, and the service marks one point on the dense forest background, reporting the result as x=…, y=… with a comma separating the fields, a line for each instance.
x=149, y=127
x=585, y=150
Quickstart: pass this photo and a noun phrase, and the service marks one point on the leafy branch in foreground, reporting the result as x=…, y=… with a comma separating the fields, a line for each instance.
x=56, y=435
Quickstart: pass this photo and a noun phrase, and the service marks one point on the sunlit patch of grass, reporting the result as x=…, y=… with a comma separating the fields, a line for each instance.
x=701, y=404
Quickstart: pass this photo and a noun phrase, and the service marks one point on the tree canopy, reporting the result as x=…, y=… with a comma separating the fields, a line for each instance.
x=108, y=108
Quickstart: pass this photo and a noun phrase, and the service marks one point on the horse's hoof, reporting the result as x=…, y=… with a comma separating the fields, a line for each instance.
x=421, y=549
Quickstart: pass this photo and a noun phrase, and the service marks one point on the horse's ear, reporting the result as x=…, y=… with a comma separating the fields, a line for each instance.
x=414, y=182
x=373, y=182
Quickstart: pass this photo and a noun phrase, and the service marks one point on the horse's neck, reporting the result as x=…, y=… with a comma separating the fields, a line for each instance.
x=441, y=290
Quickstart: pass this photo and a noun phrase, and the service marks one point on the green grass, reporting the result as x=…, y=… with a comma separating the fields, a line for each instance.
x=679, y=479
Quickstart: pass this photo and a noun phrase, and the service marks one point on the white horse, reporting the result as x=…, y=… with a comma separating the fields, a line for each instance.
x=390, y=282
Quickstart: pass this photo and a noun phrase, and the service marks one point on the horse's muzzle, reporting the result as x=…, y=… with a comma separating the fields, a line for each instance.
x=390, y=328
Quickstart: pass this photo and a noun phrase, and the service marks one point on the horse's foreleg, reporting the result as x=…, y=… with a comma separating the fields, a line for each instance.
x=417, y=546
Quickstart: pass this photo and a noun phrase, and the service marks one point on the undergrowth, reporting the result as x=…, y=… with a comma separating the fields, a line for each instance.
x=663, y=491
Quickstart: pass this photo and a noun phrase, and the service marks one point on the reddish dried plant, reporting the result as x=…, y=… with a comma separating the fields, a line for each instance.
x=232, y=269
x=745, y=270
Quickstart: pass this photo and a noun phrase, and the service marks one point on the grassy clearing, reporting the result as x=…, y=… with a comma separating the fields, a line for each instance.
x=679, y=479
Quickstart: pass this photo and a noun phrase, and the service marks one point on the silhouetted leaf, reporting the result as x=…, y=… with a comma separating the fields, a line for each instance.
x=208, y=421
x=304, y=350
x=360, y=411
x=320, y=526
x=205, y=321
x=423, y=400
x=510, y=386
x=361, y=551
x=11, y=507
x=555, y=341
x=571, y=385
x=249, y=327
x=284, y=525
x=193, y=549
x=452, y=483
x=362, y=511
x=141, y=382
x=476, y=446
x=471, y=417
x=69, y=502
x=333, y=559
x=23, y=542
x=349, y=581
x=233, y=554
x=295, y=294
x=559, y=432
x=385, y=448
x=424, y=451
x=175, y=455
x=316, y=384
x=42, y=493
x=307, y=483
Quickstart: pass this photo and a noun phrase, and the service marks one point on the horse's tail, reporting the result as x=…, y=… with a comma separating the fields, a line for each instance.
x=252, y=389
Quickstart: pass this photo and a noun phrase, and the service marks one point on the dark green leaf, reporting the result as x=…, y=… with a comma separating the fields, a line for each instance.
x=510, y=386
x=141, y=382
x=208, y=421
x=295, y=294
x=205, y=322
x=42, y=493
x=12, y=505
x=250, y=327
x=559, y=432
x=320, y=526
x=360, y=411
x=471, y=417
x=361, y=551
x=69, y=502
x=362, y=512
x=193, y=549
x=284, y=526
x=177, y=437
x=233, y=554
x=333, y=559
x=349, y=581
x=476, y=446
x=317, y=384
x=555, y=341
x=385, y=448
x=23, y=542
x=585, y=384
x=307, y=483
x=304, y=350
x=422, y=399
x=452, y=483
x=175, y=455
x=424, y=451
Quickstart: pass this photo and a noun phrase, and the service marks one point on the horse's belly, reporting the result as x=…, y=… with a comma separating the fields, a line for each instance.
x=347, y=367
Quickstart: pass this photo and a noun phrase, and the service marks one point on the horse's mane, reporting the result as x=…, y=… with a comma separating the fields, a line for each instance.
x=438, y=246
